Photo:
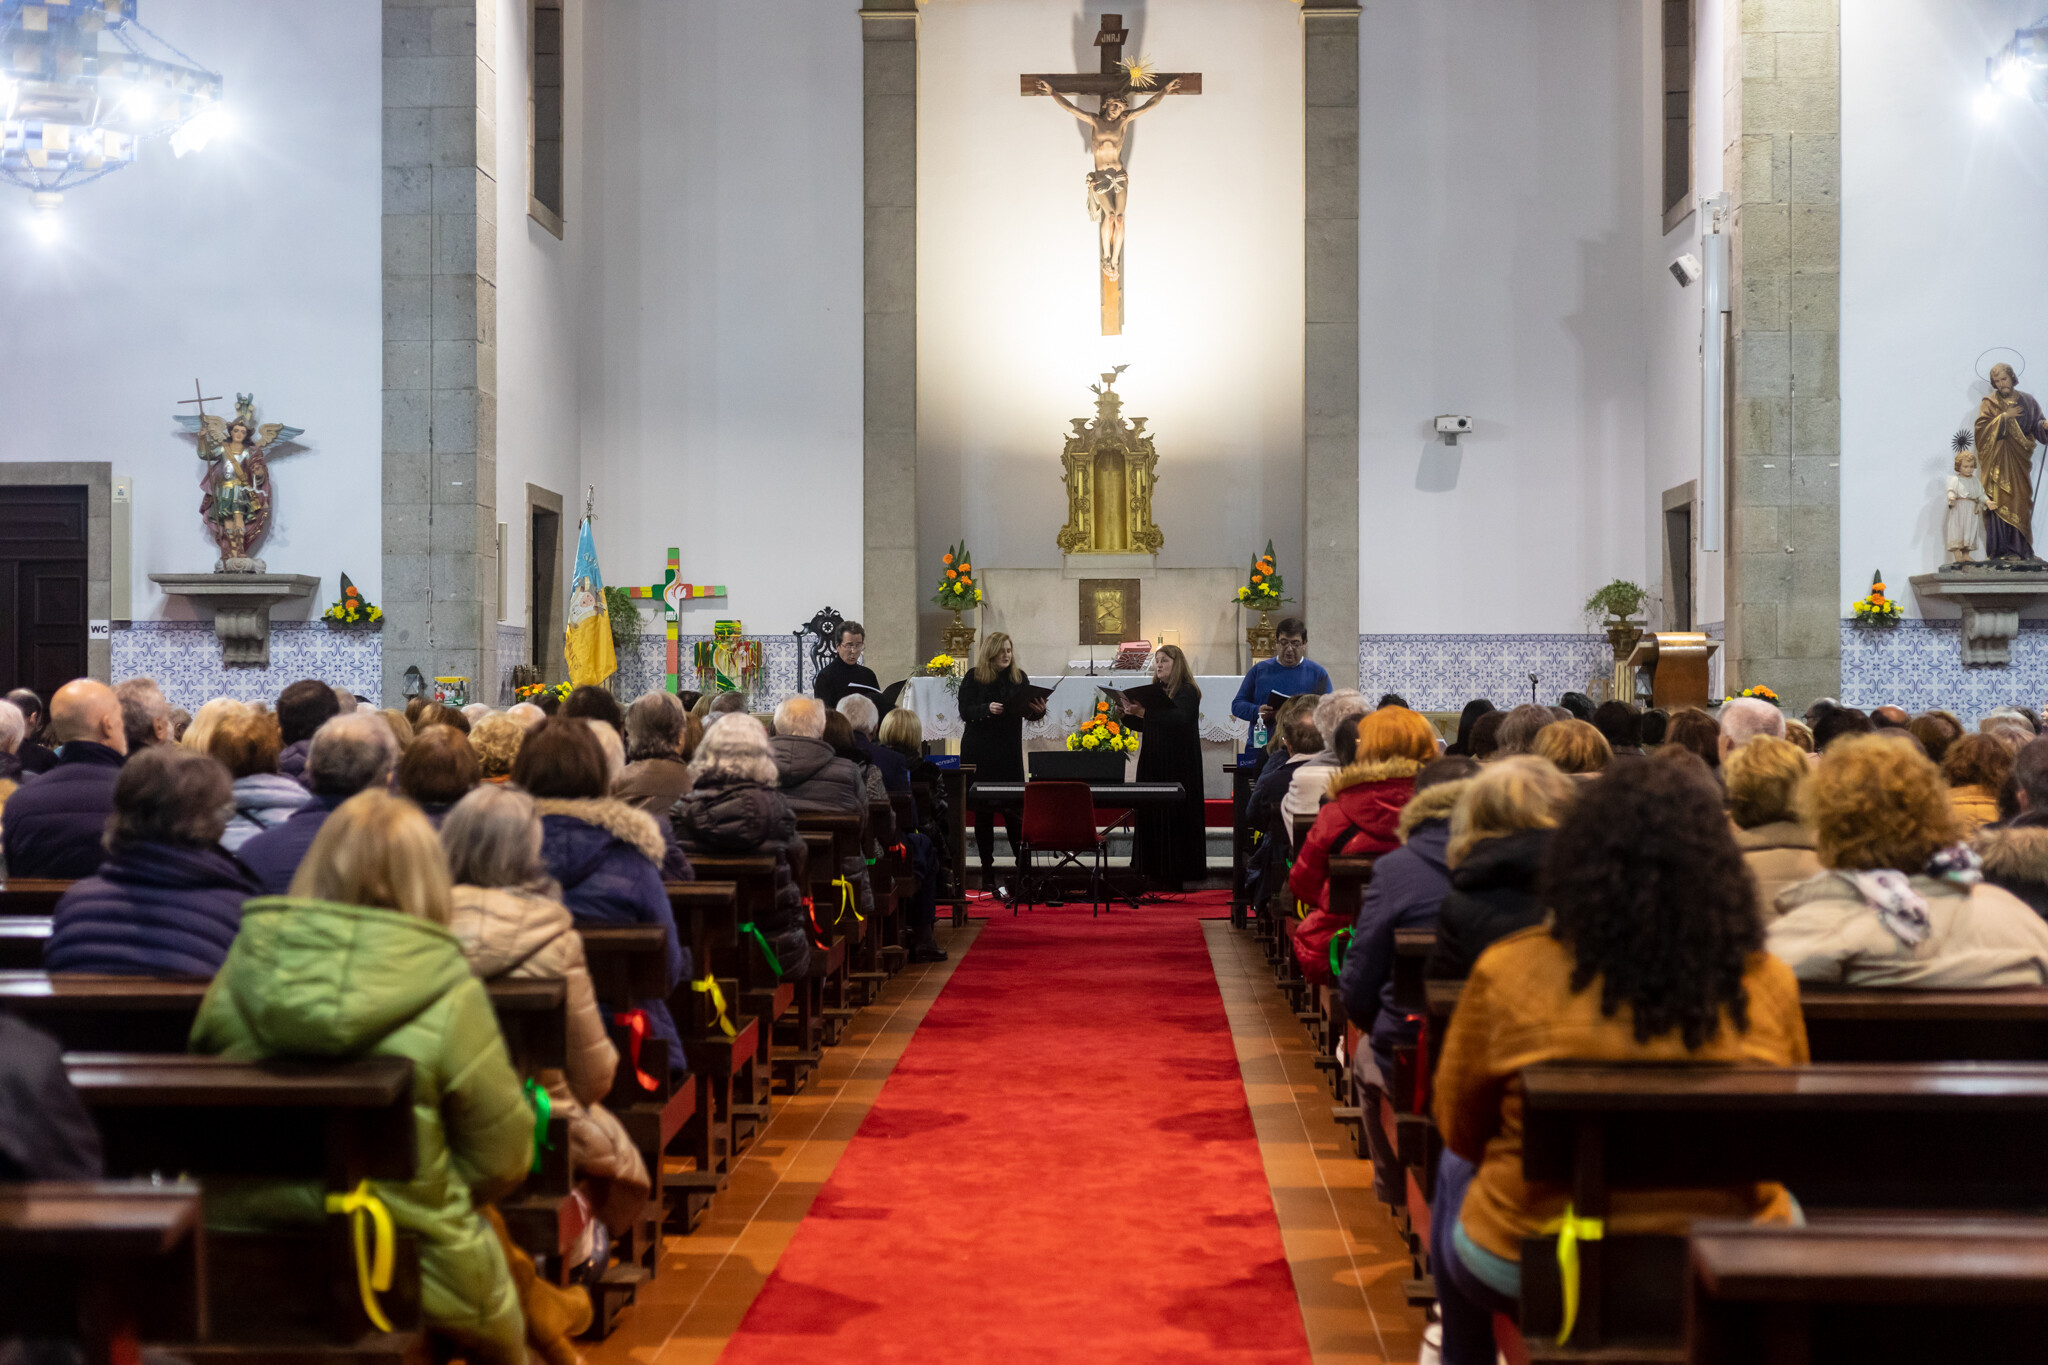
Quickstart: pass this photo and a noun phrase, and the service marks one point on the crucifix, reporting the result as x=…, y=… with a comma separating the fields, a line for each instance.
x=195, y=398
x=1109, y=182
x=672, y=592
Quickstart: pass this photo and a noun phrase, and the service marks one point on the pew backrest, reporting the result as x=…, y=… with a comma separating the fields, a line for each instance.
x=31, y=896
x=22, y=942
x=339, y=1122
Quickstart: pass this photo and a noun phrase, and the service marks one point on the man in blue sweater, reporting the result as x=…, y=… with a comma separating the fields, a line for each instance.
x=1286, y=672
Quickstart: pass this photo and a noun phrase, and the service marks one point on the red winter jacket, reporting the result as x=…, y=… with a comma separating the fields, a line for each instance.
x=1359, y=820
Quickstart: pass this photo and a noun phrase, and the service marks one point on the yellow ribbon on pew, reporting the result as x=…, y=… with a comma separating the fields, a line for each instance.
x=1301, y=908
x=373, y=1273
x=1571, y=1230
x=848, y=901
x=709, y=986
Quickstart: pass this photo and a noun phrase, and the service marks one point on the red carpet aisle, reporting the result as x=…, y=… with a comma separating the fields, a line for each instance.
x=1061, y=1168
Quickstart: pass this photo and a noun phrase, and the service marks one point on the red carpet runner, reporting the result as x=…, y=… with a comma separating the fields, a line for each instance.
x=1061, y=1168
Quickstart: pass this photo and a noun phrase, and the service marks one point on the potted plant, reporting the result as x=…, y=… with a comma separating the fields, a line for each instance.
x=956, y=594
x=1877, y=611
x=1107, y=739
x=351, y=611
x=1612, y=607
x=1262, y=592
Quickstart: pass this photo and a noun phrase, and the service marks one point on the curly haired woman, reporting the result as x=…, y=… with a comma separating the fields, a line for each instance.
x=1652, y=954
x=1975, y=768
x=1901, y=904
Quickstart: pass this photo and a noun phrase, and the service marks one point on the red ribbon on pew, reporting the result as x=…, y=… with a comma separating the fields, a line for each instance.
x=635, y=1024
x=817, y=932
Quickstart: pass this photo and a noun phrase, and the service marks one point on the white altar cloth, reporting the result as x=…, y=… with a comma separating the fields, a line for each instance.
x=1072, y=703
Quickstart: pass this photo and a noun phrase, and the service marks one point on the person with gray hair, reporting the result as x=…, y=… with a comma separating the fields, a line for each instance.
x=735, y=808
x=526, y=713
x=348, y=754
x=1519, y=729
x=1743, y=719
x=892, y=767
x=801, y=718
x=13, y=729
x=145, y=713
x=1311, y=779
x=659, y=742
x=508, y=913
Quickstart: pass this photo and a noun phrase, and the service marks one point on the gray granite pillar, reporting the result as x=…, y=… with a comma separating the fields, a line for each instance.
x=440, y=477
x=1783, y=162
x=1330, y=388
x=889, y=345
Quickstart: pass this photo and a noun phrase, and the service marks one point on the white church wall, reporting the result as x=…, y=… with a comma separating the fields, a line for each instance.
x=1673, y=317
x=253, y=265
x=541, y=289
x=1941, y=214
x=718, y=333
x=1502, y=241
x=1009, y=321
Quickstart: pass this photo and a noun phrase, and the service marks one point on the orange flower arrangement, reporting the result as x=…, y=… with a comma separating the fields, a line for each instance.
x=956, y=590
x=352, y=609
x=1263, y=591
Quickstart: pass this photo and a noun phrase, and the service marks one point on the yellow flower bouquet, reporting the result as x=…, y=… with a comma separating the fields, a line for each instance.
x=1102, y=734
x=1263, y=587
x=1877, y=610
x=956, y=590
x=352, y=608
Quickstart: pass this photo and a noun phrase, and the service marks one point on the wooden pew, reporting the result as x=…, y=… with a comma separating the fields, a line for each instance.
x=1348, y=878
x=155, y=1014
x=836, y=1004
x=1241, y=776
x=630, y=962
x=751, y=989
x=893, y=884
x=1926, y=1026
x=707, y=918
x=105, y=1263
x=864, y=937
x=1897, y=1291
x=36, y=896
x=335, y=1123
x=1840, y=1136
x=22, y=942
x=955, y=782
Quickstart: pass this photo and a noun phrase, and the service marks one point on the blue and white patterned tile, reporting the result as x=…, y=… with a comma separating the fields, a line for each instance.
x=184, y=657
x=1918, y=664
x=1443, y=672
x=644, y=669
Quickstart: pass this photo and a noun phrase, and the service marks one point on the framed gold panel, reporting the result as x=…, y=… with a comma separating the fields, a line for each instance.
x=1109, y=611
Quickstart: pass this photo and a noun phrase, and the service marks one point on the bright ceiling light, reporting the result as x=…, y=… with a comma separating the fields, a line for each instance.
x=1988, y=102
x=202, y=128
x=44, y=224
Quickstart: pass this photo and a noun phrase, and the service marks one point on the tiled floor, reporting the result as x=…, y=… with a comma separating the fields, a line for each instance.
x=709, y=1278
x=1347, y=1258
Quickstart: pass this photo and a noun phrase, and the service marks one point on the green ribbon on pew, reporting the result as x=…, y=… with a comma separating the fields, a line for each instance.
x=709, y=986
x=848, y=901
x=373, y=1272
x=543, y=1106
x=1571, y=1230
x=1342, y=936
x=751, y=928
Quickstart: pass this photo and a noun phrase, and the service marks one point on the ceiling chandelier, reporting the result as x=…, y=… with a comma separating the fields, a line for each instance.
x=82, y=85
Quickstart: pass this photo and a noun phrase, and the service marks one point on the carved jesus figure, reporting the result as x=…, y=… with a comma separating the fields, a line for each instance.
x=1109, y=182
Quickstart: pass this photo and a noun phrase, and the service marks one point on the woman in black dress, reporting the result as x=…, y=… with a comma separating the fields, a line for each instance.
x=993, y=709
x=1171, y=847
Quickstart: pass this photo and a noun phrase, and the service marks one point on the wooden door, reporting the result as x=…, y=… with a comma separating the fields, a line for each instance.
x=42, y=586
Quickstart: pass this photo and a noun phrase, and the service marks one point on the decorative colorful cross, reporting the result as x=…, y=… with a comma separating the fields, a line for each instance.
x=672, y=592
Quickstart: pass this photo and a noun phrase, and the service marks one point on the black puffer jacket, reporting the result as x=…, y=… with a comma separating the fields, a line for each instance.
x=728, y=815
x=1493, y=894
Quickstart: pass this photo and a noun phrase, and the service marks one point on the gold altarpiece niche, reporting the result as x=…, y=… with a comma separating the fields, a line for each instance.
x=1109, y=464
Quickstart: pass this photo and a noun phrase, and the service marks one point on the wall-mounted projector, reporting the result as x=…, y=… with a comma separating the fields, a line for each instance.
x=1451, y=427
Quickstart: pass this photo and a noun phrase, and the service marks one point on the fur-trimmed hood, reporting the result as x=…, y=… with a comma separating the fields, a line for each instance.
x=1372, y=770
x=635, y=828
x=1431, y=803
x=2015, y=853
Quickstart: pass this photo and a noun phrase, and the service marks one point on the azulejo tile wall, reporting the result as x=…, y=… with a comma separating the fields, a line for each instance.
x=644, y=670
x=1919, y=664
x=1443, y=672
x=184, y=658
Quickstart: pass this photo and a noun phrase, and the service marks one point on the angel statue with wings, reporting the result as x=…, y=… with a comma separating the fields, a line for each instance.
x=236, y=453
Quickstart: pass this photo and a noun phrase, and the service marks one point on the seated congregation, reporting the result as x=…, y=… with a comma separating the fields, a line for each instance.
x=598, y=935
x=1489, y=940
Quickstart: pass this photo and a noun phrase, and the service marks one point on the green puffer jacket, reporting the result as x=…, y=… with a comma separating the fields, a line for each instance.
x=309, y=978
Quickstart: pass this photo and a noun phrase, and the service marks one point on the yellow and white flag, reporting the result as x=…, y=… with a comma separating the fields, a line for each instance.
x=587, y=640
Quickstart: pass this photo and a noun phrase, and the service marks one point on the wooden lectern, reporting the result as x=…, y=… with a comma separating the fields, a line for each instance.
x=1677, y=664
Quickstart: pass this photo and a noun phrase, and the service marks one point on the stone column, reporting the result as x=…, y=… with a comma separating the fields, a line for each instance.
x=1783, y=166
x=889, y=346
x=1330, y=337
x=440, y=475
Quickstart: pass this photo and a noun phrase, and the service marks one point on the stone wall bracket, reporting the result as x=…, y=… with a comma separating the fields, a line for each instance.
x=1991, y=600
x=241, y=605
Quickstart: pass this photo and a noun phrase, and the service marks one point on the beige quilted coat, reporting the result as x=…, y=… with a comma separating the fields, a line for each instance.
x=514, y=933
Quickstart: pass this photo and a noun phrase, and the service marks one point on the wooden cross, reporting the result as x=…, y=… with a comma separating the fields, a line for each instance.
x=672, y=592
x=1113, y=80
x=202, y=402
